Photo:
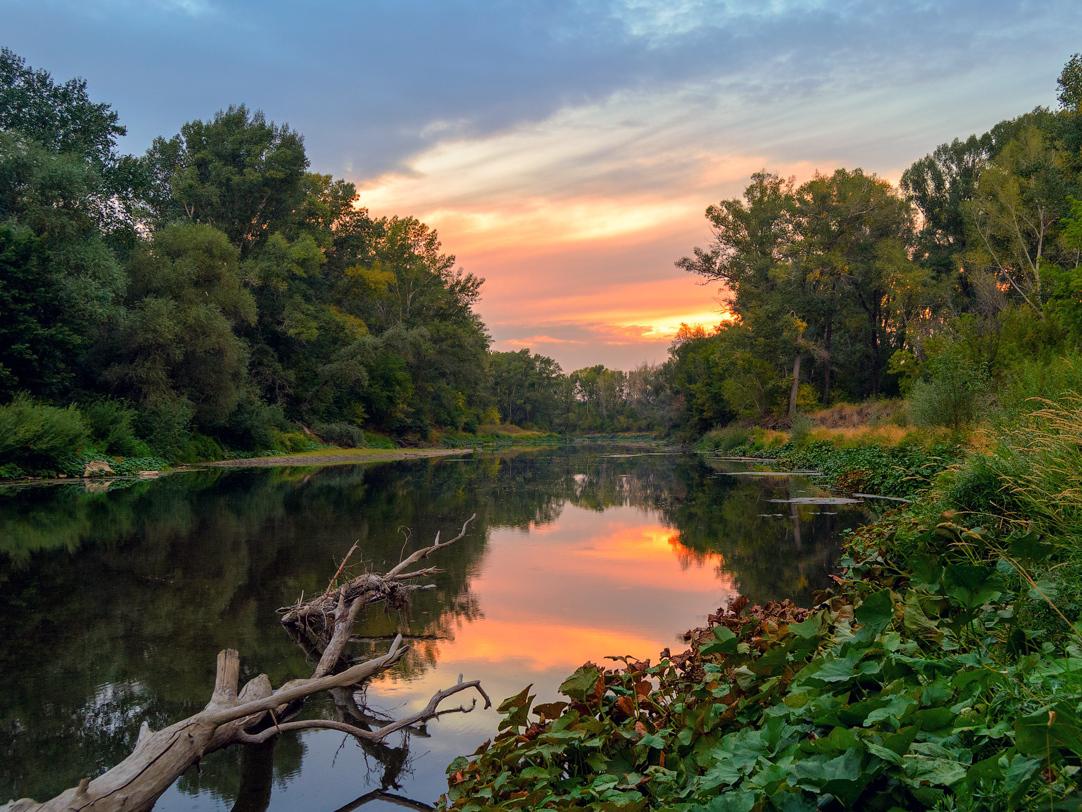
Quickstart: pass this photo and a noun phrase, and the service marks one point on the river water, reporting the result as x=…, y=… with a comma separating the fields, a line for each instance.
x=114, y=601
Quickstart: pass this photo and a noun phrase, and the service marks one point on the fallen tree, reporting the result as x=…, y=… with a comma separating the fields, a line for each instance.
x=256, y=713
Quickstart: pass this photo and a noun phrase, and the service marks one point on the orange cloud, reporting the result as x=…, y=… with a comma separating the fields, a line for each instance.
x=576, y=220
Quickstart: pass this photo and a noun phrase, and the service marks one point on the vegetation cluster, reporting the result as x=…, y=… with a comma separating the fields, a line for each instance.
x=944, y=669
x=215, y=297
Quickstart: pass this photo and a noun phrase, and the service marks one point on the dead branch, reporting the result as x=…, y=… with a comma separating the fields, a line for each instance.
x=257, y=712
x=368, y=588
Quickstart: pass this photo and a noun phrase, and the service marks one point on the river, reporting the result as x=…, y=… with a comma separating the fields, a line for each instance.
x=114, y=600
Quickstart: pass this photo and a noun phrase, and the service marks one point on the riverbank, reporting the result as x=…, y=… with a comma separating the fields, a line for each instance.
x=335, y=456
x=943, y=669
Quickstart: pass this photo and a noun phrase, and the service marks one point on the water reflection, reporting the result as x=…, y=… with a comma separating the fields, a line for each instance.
x=115, y=603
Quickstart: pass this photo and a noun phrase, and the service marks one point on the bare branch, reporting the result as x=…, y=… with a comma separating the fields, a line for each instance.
x=430, y=711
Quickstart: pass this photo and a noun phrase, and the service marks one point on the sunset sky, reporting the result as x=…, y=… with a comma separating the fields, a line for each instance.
x=566, y=150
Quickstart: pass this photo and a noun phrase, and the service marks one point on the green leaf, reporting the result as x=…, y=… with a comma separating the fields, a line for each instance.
x=808, y=628
x=652, y=740
x=936, y=771
x=894, y=709
x=725, y=642
x=731, y=802
x=1029, y=548
x=516, y=709
x=971, y=585
x=1048, y=730
x=1019, y=770
x=840, y=776
x=884, y=753
x=581, y=684
x=874, y=614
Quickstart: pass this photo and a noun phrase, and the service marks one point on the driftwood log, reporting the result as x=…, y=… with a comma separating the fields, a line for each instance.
x=256, y=713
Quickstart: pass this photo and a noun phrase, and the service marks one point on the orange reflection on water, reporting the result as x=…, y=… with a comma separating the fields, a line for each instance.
x=588, y=585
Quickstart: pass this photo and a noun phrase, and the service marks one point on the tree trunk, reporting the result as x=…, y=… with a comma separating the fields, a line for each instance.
x=826, y=362
x=794, y=389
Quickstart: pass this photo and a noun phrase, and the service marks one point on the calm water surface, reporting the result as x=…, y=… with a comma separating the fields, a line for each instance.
x=114, y=603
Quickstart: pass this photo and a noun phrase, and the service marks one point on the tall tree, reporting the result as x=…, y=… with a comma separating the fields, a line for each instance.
x=237, y=172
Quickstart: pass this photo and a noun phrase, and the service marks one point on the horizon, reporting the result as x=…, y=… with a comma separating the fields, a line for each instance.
x=567, y=153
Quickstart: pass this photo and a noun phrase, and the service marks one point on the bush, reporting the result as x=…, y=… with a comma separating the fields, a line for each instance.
x=1030, y=379
x=200, y=448
x=166, y=423
x=345, y=435
x=112, y=426
x=375, y=440
x=725, y=440
x=800, y=430
x=36, y=437
x=949, y=393
x=254, y=425
x=293, y=441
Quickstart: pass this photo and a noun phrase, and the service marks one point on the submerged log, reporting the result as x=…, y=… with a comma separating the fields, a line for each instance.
x=256, y=713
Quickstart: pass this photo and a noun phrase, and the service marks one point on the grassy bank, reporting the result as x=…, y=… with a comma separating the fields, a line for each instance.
x=944, y=669
x=336, y=456
x=880, y=461
x=103, y=437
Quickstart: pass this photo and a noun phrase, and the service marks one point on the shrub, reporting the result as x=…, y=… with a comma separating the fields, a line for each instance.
x=341, y=434
x=200, y=448
x=375, y=440
x=293, y=441
x=949, y=393
x=800, y=430
x=112, y=426
x=166, y=423
x=254, y=425
x=1037, y=378
x=36, y=437
x=726, y=439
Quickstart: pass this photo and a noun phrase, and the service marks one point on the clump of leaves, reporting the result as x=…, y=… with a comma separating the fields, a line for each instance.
x=907, y=688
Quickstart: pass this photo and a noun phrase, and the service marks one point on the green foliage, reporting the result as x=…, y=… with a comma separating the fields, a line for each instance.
x=1070, y=85
x=36, y=437
x=252, y=296
x=942, y=671
x=725, y=440
x=949, y=393
x=166, y=423
x=345, y=435
x=112, y=427
x=293, y=441
x=902, y=470
x=800, y=430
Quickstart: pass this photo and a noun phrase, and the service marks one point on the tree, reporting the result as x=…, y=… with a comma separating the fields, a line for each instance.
x=61, y=277
x=851, y=233
x=179, y=341
x=938, y=185
x=61, y=118
x=526, y=387
x=1070, y=85
x=237, y=172
x=749, y=255
x=1016, y=207
x=37, y=342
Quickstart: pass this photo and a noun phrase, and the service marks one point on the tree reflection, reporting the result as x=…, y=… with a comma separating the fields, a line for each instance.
x=118, y=600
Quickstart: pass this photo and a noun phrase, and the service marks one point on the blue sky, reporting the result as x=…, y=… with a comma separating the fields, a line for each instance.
x=566, y=150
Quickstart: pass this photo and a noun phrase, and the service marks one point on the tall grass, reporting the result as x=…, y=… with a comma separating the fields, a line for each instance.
x=35, y=436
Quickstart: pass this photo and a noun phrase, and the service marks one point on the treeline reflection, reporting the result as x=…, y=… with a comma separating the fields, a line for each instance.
x=115, y=602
